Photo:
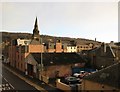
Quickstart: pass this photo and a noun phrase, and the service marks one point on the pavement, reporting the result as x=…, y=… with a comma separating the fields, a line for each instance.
x=12, y=83
x=36, y=83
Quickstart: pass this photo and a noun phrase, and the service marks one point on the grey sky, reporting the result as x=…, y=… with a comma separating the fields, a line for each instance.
x=69, y=19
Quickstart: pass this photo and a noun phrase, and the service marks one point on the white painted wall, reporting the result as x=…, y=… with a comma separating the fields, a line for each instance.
x=71, y=49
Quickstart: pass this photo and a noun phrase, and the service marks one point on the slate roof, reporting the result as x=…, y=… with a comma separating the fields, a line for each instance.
x=109, y=51
x=108, y=76
x=58, y=58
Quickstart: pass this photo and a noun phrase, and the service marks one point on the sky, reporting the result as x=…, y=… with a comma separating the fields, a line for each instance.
x=88, y=20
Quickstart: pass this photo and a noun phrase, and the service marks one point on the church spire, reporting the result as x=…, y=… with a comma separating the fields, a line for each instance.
x=36, y=31
x=36, y=25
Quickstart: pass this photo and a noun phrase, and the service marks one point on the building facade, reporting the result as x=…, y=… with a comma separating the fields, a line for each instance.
x=56, y=47
x=54, y=64
x=71, y=48
x=102, y=56
x=20, y=48
x=81, y=47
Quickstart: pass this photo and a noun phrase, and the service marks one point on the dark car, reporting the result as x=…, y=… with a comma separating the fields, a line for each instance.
x=72, y=80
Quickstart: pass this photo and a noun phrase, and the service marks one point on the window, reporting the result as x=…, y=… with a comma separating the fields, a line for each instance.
x=18, y=56
x=21, y=65
x=21, y=58
x=18, y=64
x=54, y=46
x=103, y=87
x=62, y=47
x=37, y=39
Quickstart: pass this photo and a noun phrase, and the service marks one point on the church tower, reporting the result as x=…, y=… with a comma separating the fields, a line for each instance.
x=35, y=34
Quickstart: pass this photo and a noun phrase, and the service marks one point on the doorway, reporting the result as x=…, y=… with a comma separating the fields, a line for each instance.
x=30, y=69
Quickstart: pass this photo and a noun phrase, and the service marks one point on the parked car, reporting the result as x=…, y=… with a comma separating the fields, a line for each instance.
x=82, y=72
x=76, y=75
x=72, y=80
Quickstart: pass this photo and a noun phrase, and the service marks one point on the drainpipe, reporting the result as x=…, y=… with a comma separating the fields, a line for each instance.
x=26, y=72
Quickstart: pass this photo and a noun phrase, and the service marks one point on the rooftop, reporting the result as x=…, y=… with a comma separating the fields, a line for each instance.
x=108, y=76
x=58, y=58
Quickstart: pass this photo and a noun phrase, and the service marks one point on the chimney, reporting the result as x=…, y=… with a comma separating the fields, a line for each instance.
x=104, y=47
x=95, y=39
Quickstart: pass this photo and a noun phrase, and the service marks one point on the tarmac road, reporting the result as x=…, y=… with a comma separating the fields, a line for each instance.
x=12, y=82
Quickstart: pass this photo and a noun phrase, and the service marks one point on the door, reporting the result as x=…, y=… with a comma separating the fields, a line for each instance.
x=30, y=69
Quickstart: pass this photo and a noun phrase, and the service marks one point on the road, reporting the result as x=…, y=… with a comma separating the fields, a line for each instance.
x=12, y=82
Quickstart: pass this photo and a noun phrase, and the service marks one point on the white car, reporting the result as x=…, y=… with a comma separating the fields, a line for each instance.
x=76, y=74
x=82, y=72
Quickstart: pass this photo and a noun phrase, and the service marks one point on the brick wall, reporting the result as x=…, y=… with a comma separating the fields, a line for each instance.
x=51, y=50
x=12, y=55
x=59, y=47
x=63, y=70
x=90, y=85
x=36, y=48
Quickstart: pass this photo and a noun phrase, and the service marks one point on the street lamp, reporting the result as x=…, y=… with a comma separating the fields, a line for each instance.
x=41, y=56
x=41, y=61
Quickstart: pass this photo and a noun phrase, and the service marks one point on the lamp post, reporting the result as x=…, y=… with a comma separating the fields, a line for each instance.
x=41, y=56
x=41, y=61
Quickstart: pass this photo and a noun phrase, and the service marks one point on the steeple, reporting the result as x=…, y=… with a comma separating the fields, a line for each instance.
x=36, y=31
x=36, y=25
